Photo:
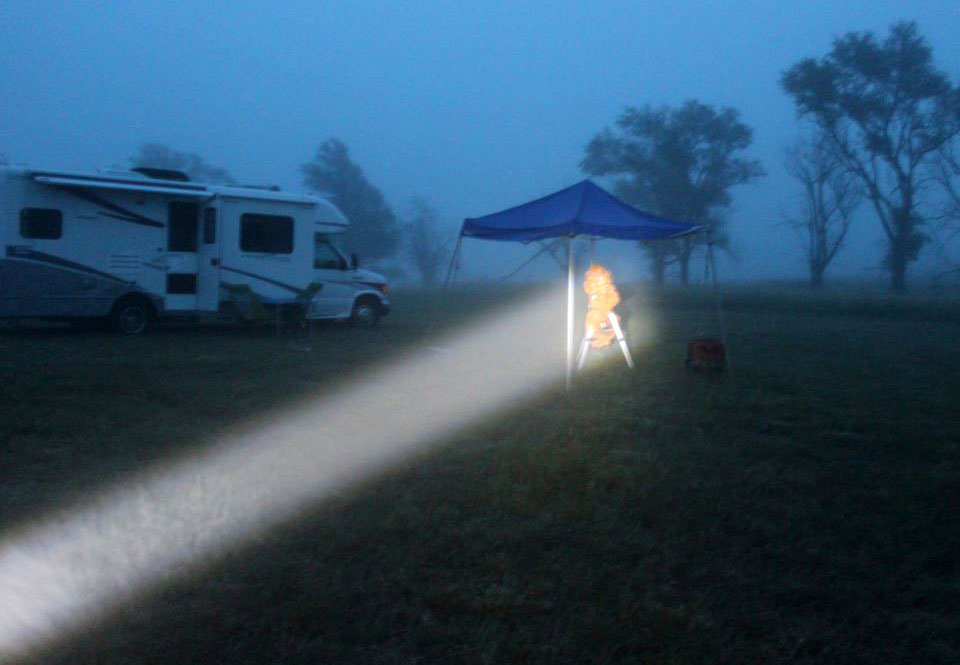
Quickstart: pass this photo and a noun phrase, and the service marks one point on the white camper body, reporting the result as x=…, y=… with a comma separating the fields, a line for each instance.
x=133, y=245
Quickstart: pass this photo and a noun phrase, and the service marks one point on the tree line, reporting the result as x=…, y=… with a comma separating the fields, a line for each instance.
x=877, y=127
x=878, y=124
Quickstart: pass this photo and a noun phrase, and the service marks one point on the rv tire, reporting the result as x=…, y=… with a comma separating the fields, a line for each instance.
x=366, y=313
x=132, y=315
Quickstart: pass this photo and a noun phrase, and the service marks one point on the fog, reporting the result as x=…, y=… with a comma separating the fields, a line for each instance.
x=474, y=106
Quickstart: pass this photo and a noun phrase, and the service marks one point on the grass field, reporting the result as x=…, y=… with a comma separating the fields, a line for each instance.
x=803, y=508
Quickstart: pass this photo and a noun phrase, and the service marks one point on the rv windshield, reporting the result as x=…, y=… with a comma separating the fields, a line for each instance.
x=326, y=256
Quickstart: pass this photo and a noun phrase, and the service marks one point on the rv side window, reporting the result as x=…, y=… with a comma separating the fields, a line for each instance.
x=209, y=226
x=44, y=223
x=270, y=234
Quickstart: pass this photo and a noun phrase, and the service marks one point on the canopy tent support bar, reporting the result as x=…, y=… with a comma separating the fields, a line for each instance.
x=454, y=263
x=716, y=296
x=552, y=249
x=544, y=247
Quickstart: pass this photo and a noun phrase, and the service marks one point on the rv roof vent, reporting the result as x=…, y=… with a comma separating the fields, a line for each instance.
x=269, y=188
x=162, y=174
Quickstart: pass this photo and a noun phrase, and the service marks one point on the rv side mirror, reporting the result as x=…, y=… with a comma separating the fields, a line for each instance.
x=353, y=261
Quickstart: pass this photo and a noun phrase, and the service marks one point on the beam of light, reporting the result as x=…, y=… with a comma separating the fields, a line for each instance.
x=69, y=567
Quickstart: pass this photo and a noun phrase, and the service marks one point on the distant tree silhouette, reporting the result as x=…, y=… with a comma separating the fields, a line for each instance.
x=160, y=156
x=373, y=226
x=678, y=162
x=947, y=173
x=426, y=246
x=888, y=112
x=830, y=194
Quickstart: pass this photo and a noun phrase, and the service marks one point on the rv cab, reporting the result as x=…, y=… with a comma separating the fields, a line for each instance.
x=346, y=291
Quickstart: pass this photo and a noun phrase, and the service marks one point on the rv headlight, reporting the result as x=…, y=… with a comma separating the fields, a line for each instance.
x=384, y=288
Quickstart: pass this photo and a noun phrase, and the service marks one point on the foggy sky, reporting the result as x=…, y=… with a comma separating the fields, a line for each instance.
x=476, y=106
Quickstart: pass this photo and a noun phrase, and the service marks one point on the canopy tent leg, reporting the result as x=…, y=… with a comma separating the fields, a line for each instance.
x=716, y=296
x=569, y=312
x=454, y=262
x=582, y=354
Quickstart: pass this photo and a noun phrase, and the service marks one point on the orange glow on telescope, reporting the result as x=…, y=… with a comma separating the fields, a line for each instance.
x=602, y=297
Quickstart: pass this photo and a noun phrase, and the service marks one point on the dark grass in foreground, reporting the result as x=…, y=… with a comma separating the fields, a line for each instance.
x=81, y=409
x=804, y=509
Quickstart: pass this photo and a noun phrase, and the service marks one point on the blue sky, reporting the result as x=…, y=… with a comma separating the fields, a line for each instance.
x=474, y=105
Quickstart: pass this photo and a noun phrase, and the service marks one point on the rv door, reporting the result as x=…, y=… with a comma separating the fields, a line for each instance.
x=332, y=271
x=182, y=242
x=208, y=258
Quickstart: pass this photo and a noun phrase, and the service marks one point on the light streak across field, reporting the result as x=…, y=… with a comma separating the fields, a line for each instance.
x=64, y=569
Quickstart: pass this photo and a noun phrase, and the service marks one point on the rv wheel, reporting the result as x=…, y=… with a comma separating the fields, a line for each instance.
x=132, y=316
x=366, y=313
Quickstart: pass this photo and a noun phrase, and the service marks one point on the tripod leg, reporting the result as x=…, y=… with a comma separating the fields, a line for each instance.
x=582, y=356
x=623, y=342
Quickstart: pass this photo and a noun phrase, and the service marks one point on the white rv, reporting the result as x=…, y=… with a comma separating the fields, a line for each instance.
x=129, y=246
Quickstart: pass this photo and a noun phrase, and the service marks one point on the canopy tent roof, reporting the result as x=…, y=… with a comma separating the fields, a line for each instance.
x=582, y=209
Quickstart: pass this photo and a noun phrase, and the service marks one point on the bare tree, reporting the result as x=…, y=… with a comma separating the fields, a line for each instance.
x=373, y=228
x=830, y=194
x=946, y=171
x=426, y=245
x=888, y=110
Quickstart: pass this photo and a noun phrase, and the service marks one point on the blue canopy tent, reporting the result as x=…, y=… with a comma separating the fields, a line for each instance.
x=583, y=209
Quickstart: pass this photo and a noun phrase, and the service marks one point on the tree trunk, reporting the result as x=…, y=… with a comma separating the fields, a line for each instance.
x=658, y=267
x=905, y=242
x=898, y=270
x=816, y=277
x=683, y=256
x=898, y=258
x=685, y=269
